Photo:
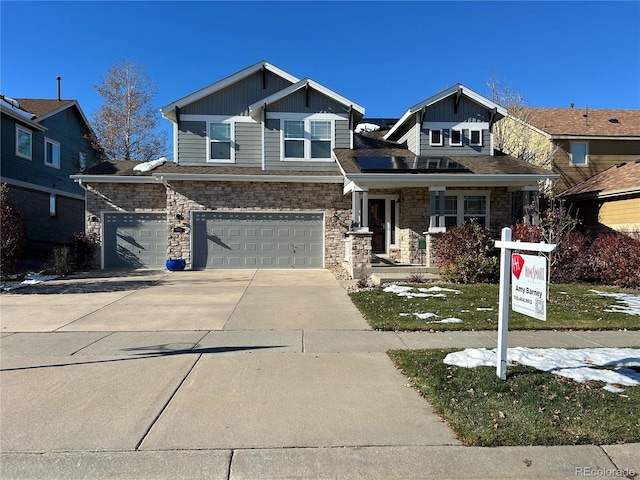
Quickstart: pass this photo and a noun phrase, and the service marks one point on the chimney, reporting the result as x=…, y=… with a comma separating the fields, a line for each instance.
x=58, y=79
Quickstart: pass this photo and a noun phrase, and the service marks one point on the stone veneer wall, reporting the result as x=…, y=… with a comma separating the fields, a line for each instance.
x=183, y=197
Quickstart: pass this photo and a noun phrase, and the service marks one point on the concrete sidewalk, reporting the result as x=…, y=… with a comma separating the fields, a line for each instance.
x=239, y=374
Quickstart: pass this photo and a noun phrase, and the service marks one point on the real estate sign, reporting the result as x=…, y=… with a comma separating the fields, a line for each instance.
x=529, y=285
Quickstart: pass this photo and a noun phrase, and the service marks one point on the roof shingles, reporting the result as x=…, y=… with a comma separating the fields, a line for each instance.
x=584, y=121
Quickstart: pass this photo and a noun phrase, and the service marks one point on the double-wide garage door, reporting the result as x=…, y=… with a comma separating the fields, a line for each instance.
x=257, y=240
x=135, y=240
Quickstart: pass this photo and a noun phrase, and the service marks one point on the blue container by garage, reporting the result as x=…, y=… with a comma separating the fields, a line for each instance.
x=175, y=264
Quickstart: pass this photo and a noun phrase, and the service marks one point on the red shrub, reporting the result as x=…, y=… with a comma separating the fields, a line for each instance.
x=13, y=232
x=614, y=259
x=527, y=233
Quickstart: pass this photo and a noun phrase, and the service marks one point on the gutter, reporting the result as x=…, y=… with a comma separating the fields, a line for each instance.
x=112, y=179
x=338, y=179
x=449, y=179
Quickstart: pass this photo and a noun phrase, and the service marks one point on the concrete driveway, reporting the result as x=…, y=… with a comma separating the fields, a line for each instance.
x=226, y=359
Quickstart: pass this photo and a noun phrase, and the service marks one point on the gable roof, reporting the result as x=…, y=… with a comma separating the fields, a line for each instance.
x=256, y=107
x=12, y=108
x=581, y=122
x=621, y=179
x=457, y=89
x=169, y=113
x=44, y=108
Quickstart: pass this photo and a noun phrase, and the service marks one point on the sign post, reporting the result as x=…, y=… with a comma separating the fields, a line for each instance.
x=529, y=294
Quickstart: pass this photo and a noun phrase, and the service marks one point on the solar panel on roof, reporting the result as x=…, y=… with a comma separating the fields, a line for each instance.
x=408, y=164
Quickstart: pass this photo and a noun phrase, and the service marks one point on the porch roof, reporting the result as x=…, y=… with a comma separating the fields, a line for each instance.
x=475, y=170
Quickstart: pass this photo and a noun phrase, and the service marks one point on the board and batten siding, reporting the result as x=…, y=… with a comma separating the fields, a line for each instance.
x=468, y=111
x=236, y=98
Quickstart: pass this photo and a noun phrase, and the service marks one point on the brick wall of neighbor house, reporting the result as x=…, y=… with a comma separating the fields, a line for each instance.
x=185, y=197
x=43, y=231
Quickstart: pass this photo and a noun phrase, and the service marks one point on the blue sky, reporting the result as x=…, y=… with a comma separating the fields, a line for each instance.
x=384, y=55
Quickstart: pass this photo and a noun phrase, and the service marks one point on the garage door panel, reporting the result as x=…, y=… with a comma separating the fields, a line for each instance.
x=135, y=240
x=255, y=239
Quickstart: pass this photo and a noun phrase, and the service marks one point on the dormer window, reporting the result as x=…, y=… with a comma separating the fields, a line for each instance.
x=456, y=137
x=475, y=138
x=435, y=137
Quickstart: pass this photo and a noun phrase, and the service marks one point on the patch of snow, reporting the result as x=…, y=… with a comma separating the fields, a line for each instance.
x=30, y=279
x=484, y=309
x=448, y=320
x=148, y=166
x=632, y=302
x=423, y=316
x=575, y=364
x=367, y=127
x=403, y=291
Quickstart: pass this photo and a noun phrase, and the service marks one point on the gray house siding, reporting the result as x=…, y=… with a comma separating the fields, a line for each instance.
x=309, y=101
x=236, y=98
x=343, y=134
x=248, y=144
x=192, y=143
x=444, y=111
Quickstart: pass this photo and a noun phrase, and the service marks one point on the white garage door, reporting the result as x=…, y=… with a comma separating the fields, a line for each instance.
x=135, y=240
x=257, y=240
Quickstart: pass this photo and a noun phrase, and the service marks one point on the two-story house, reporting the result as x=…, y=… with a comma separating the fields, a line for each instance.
x=44, y=141
x=273, y=171
x=581, y=143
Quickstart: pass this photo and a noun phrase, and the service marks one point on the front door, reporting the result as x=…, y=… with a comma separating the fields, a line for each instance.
x=377, y=221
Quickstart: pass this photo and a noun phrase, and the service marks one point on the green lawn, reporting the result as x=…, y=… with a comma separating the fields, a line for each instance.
x=529, y=408
x=570, y=307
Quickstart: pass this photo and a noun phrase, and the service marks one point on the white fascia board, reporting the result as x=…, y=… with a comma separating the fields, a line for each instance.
x=113, y=179
x=255, y=108
x=168, y=110
x=592, y=137
x=23, y=120
x=450, y=180
x=250, y=178
x=467, y=92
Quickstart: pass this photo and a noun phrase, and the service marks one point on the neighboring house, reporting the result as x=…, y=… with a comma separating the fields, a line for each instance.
x=273, y=171
x=44, y=141
x=609, y=200
x=581, y=142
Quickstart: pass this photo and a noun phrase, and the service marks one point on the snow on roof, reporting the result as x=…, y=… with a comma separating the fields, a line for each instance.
x=150, y=165
x=14, y=106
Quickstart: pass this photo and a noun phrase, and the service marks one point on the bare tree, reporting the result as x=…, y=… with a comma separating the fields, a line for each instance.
x=514, y=134
x=126, y=124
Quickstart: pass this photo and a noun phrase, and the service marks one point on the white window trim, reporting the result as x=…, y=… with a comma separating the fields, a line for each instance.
x=586, y=155
x=460, y=194
x=479, y=143
x=52, y=142
x=25, y=130
x=451, y=142
x=233, y=141
x=307, y=136
x=431, y=142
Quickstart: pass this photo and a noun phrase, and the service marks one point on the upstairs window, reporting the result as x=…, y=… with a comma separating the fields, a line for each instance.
x=220, y=142
x=456, y=137
x=435, y=138
x=23, y=142
x=51, y=153
x=320, y=139
x=475, y=138
x=307, y=139
x=294, y=138
x=579, y=154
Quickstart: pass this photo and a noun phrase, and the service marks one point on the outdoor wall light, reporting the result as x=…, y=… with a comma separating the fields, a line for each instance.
x=179, y=216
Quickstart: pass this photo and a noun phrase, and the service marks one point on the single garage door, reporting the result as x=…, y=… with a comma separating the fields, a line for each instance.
x=257, y=240
x=135, y=240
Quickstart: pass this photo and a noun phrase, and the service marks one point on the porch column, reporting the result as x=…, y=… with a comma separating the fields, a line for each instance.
x=531, y=205
x=355, y=208
x=365, y=211
x=436, y=221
